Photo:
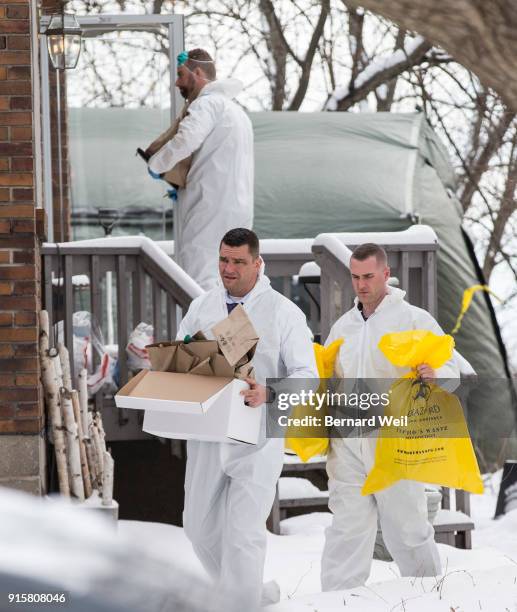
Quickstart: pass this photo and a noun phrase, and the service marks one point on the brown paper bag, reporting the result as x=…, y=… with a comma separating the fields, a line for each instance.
x=203, y=348
x=184, y=360
x=245, y=371
x=177, y=176
x=203, y=369
x=236, y=336
x=161, y=356
x=221, y=367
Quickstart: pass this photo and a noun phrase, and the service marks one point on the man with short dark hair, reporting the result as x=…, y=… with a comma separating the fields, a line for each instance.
x=229, y=488
x=218, y=190
x=401, y=508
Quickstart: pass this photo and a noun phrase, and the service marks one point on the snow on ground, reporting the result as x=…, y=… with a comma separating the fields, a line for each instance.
x=484, y=578
x=137, y=560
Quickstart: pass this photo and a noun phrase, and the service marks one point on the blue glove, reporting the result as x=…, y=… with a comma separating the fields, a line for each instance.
x=172, y=194
x=155, y=175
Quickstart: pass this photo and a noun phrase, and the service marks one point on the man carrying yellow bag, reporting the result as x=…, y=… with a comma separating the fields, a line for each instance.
x=401, y=507
x=434, y=446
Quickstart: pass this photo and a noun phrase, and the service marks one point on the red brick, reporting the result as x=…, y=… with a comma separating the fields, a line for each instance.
x=6, y=350
x=25, y=318
x=26, y=226
x=26, y=350
x=17, y=365
x=24, y=288
x=27, y=380
x=29, y=410
x=15, y=88
x=17, y=12
x=22, y=334
x=16, y=241
x=18, y=395
x=4, y=165
x=4, y=132
x=21, y=149
x=21, y=133
x=23, y=195
x=23, y=257
x=3, y=73
x=4, y=195
x=6, y=288
x=21, y=163
x=7, y=380
x=5, y=257
x=20, y=103
x=6, y=320
x=7, y=411
x=5, y=227
x=18, y=179
x=18, y=42
x=17, y=272
x=3, y=42
x=20, y=426
x=11, y=302
x=15, y=118
x=19, y=211
x=4, y=103
x=14, y=27
x=15, y=58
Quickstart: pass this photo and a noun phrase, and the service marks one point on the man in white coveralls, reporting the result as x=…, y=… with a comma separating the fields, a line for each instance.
x=402, y=509
x=218, y=194
x=229, y=488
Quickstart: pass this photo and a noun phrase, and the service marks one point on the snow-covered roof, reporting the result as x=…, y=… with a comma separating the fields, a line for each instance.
x=413, y=235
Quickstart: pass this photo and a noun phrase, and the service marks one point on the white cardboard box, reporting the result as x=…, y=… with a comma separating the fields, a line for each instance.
x=191, y=407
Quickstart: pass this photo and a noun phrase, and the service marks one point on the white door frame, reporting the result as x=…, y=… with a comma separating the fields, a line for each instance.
x=92, y=26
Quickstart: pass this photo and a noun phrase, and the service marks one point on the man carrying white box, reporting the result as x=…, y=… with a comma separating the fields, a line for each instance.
x=230, y=488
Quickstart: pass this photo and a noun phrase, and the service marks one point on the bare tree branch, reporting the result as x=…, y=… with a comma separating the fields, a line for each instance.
x=306, y=64
x=378, y=77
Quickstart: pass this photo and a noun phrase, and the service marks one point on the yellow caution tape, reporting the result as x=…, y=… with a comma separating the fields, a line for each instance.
x=468, y=294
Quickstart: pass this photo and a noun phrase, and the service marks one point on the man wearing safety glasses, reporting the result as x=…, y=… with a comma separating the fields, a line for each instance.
x=217, y=194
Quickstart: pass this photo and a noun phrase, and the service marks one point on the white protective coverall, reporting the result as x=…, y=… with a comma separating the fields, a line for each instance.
x=402, y=508
x=230, y=488
x=219, y=192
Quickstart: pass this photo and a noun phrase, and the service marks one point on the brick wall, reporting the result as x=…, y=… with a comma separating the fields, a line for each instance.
x=21, y=406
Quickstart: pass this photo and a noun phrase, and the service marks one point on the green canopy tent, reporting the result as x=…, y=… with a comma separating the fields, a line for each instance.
x=327, y=172
x=346, y=172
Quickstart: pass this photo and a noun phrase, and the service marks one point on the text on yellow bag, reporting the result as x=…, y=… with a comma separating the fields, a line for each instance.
x=435, y=446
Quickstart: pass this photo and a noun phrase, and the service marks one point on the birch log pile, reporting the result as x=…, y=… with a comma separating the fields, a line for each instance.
x=83, y=462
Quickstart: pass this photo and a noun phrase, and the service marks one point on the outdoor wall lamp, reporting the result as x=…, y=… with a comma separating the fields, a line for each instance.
x=63, y=40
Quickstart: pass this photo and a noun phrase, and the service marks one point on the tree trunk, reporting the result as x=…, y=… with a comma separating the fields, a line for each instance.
x=51, y=390
x=481, y=35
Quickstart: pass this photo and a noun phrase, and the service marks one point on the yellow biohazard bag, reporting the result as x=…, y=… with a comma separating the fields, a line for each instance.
x=430, y=441
x=308, y=441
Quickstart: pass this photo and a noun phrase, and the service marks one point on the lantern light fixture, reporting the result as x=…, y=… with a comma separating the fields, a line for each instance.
x=63, y=40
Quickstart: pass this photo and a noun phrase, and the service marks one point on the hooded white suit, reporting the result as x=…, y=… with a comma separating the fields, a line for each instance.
x=229, y=488
x=219, y=191
x=402, y=508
